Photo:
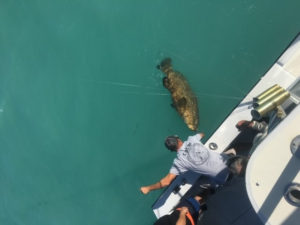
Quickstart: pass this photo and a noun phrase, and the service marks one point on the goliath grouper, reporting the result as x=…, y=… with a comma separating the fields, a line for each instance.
x=184, y=100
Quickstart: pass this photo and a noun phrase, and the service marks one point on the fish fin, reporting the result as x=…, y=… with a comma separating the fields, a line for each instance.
x=166, y=82
x=181, y=103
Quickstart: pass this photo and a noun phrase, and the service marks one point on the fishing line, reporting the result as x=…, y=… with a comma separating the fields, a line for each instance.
x=120, y=84
x=198, y=95
x=219, y=96
x=149, y=93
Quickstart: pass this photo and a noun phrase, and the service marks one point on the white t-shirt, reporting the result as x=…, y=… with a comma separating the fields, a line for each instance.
x=194, y=156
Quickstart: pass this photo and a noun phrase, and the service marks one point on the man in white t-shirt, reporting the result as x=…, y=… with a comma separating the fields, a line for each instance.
x=192, y=155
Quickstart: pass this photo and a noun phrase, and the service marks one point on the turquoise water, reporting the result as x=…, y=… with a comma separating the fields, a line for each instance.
x=83, y=113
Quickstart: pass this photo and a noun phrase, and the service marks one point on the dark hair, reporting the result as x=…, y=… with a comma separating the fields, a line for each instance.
x=171, y=143
x=236, y=161
x=165, y=220
x=168, y=219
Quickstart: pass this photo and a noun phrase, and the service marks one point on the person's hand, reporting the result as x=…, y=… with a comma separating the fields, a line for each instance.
x=202, y=135
x=241, y=125
x=144, y=190
x=184, y=210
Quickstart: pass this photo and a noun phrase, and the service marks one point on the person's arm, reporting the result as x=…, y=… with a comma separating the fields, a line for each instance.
x=182, y=218
x=259, y=126
x=201, y=135
x=196, y=137
x=162, y=183
x=243, y=124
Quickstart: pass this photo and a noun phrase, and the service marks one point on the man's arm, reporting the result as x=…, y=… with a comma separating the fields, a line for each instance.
x=162, y=183
x=196, y=137
x=182, y=218
x=259, y=126
x=201, y=135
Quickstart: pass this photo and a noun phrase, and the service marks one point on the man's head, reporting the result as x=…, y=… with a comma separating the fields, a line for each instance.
x=237, y=165
x=173, y=143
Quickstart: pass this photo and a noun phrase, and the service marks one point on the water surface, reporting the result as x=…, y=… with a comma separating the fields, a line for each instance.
x=83, y=113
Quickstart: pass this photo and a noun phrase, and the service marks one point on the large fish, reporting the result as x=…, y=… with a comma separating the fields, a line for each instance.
x=184, y=100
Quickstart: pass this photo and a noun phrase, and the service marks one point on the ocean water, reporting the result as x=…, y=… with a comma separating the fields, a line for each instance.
x=83, y=114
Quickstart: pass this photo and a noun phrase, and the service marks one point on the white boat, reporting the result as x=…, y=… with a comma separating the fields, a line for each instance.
x=270, y=191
